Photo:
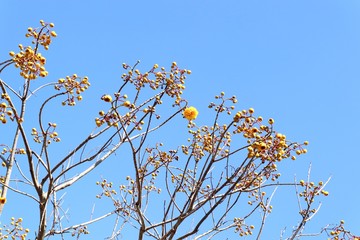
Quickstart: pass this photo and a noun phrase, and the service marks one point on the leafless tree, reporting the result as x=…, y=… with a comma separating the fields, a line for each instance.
x=194, y=188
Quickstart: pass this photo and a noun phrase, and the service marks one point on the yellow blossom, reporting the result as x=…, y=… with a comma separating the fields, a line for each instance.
x=190, y=113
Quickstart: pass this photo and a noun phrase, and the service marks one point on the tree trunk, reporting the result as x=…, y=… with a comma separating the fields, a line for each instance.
x=42, y=220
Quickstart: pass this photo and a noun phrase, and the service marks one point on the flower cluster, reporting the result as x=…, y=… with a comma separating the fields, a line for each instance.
x=73, y=86
x=107, y=188
x=311, y=190
x=5, y=110
x=220, y=108
x=147, y=173
x=264, y=143
x=242, y=228
x=79, y=230
x=109, y=192
x=156, y=159
x=213, y=140
x=31, y=64
x=172, y=82
x=112, y=117
x=339, y=232
x=14, y=230
x=49, y=135
x=17, y=151
x=250, y=178
x=42, y=35
x=131, y=188
x=124, y=111
x=28, y=60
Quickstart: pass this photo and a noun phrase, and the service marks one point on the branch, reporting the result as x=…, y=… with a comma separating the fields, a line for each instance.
x=53, y=232
x=266, y=207
x=20, y=192
x=88, y=170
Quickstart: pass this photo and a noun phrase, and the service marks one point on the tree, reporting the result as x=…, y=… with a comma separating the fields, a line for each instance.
x=200, y=182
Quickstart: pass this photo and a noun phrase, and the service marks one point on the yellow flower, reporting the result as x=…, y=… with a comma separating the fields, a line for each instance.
x=190, y=113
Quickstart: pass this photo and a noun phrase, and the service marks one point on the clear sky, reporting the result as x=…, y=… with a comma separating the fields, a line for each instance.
x=295, y=61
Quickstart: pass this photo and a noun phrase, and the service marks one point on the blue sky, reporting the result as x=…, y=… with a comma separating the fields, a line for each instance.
x=295, y=61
